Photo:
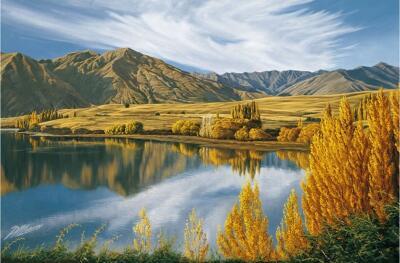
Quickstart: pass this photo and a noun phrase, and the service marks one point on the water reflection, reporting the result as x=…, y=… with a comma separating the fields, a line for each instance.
x=48, y=184
x=122, y=165
x=300, y=158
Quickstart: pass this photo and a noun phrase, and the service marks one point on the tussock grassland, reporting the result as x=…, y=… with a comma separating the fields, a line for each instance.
x=275, y=112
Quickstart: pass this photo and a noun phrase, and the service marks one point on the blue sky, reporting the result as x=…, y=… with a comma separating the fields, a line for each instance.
x=220, y=36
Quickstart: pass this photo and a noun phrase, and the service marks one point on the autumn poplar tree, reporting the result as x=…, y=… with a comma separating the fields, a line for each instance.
x=142, y=230
x=352, y=170
x=290, y=234
x=195, y=240
x=337, y=182
x=394, y=105
x=383, y=165
x=245, y=235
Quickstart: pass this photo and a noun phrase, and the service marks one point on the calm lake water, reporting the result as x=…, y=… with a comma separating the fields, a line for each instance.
x=49, y=184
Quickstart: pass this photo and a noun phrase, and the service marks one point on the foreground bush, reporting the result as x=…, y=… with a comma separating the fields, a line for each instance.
x=186, y=127
x=362, y=239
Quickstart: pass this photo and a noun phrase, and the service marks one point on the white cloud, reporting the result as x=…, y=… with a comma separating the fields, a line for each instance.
x=224, y=35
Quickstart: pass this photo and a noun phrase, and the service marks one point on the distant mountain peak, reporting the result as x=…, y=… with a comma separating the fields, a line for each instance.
x=384, y=65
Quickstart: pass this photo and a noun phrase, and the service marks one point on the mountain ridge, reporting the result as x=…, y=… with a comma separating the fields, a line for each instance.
x=84, y=78
x=295, y=82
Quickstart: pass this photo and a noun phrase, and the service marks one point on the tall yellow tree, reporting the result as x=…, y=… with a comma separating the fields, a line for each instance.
x=383, y=164
x=358, y=181
x=245, y=235
x=290, y=235
x=352, y=171
x=195, y=240
x=142, y=230
x=337, y=182
x=394, y=103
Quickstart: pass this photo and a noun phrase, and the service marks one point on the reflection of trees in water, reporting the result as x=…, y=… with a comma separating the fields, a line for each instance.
x=124, y=166
x=301, y=159
x=242, y=161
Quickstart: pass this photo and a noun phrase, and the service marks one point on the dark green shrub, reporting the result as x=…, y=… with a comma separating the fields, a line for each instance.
x=157, y=114
x=126, y=104
x=80, y=131
x=362, y=239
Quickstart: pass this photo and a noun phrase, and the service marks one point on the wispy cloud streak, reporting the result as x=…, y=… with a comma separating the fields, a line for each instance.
x=234, y=35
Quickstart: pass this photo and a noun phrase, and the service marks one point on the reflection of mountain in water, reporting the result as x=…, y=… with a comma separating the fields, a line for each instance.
x=122, y=165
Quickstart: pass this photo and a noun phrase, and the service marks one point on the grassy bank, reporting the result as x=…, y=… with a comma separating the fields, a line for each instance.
x=275, y=112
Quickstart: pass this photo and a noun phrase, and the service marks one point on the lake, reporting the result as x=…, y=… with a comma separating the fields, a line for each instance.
x=49, y=184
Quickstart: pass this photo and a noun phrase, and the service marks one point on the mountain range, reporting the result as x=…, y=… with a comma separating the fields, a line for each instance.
x=84, y=78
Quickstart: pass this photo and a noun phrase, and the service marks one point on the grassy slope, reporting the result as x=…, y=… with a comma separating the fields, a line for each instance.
x=275, y=112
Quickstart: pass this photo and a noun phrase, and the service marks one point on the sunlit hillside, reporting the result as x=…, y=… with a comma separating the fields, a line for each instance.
x=275, y=112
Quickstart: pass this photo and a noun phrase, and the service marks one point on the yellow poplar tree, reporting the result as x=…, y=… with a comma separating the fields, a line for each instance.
x=383, y=164
x=195, y=240
x=352, y=171
x=290, y=235
x=142, y=230
x=245, y=234
x=358, y=181
x=337, y=182
x=394, y=103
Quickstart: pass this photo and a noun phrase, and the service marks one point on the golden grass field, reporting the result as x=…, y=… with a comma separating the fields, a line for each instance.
x=275, y=112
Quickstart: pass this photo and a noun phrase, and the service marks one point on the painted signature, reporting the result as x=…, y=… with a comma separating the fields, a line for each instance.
x=17, y=231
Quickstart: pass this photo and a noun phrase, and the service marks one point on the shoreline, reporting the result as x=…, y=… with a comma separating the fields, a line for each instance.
x=226, y=144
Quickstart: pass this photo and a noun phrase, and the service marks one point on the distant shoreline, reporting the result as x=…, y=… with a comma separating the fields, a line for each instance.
x=226, y=144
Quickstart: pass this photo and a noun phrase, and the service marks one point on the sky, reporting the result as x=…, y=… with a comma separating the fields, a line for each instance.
x=209, y=35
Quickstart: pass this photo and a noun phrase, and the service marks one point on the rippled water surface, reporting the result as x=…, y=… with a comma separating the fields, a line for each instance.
x=49, y=184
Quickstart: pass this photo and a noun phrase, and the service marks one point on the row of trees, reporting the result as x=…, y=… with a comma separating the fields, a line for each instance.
x=248, y=111
x=244, y=125
x=32, y=120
